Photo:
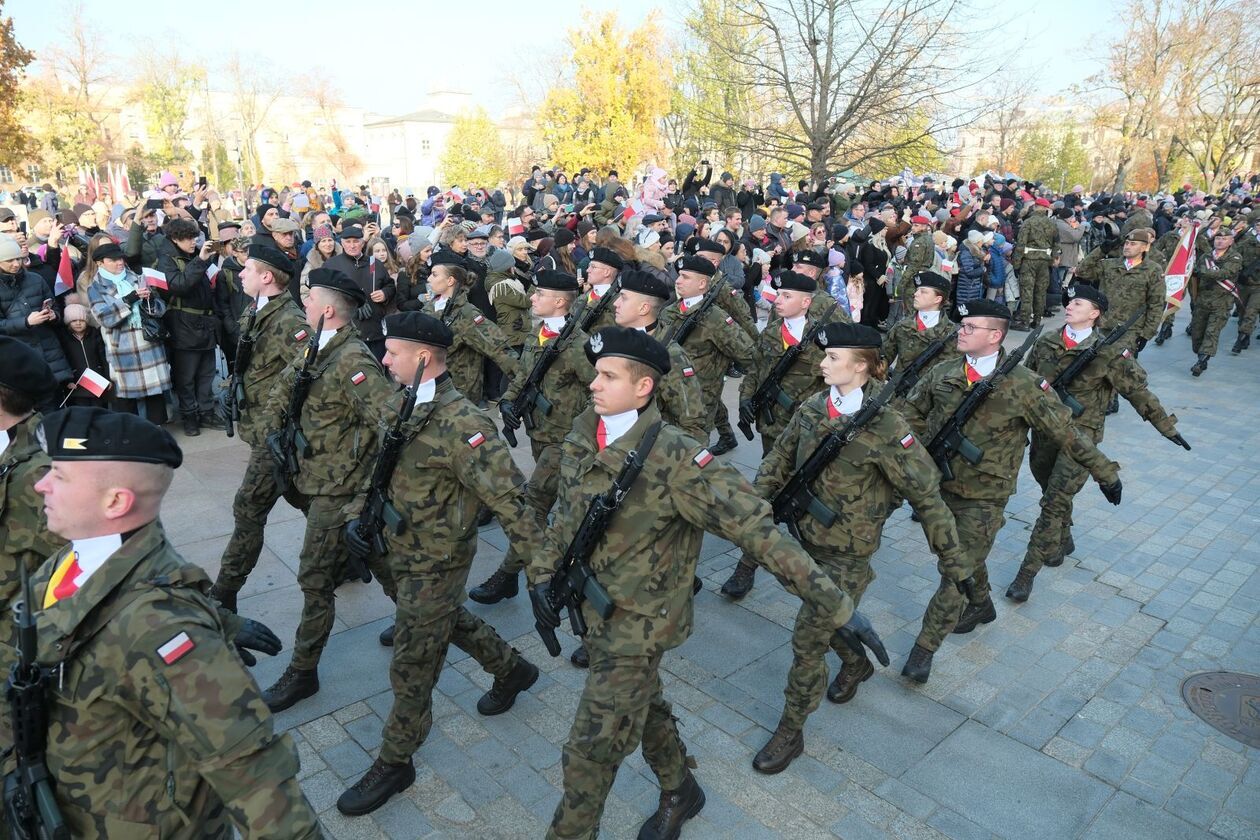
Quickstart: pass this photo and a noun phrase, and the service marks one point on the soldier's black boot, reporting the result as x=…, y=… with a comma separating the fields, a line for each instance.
x=378, y=784
x=1239, y=345
x=1200, y=365
x=225, y=597
x=845, y=685
x=498, y=586
x=975, y=614
x=1165, y=333
x=580, y=657
x=503, y=693
x=918, y=665
x=1020, y=326
x=740, y=583
x=1021, y=587
x=387, y=636
x=293, y=685
x=677, y=806
x=1069, y=546
x=784, y=746
x=725, y=443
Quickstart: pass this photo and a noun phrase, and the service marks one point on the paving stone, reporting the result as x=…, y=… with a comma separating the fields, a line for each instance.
x=1192, y=806
x=1126, y=817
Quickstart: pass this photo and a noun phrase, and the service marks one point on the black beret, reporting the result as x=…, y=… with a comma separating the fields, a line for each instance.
x=710, y=246
x=653, y=218
x=536, y=235
x=331, y=278
x=416, y=326
x=558, y=281
x=796, y=282
x=697, y=264
x=447, y=257
x=563, y=237
x=1089, y=293
x=627, y=343
x=23, y=368
x=837, y=334
x=108, y=251
x=984, y=309
x=811, y=258
x=273, y=257
x=352, y=232
x=82, y=433
x=608, y=257
x=932, y=280
x=645, y=284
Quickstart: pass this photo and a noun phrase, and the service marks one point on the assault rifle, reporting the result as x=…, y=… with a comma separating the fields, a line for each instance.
x=574, y=581
x=909, y=376
x=236, y=384
x=950, y=439
x=770, y=390
x=285, y=444
x=1083, y=360
x=530, y=395
x=684, y=327
x=591, y=318
x=29, y=805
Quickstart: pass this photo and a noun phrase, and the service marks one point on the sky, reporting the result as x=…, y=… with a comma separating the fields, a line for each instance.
x=386, y=55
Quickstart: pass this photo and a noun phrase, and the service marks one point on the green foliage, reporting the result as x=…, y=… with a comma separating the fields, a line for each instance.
x=16, y=142
x=163, y=96
x=1052, y=156
x=474, y=153
x=66, y=135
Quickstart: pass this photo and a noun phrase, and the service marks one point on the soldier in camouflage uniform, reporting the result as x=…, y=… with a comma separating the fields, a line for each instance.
x=978, y=493
x=1034, y=249
x=601, y=272
x=646, y=561
x=279, y=333
x=1131, y=282
x=1247, y=244
x=565, y=387
x=730, y=299
x=1214, y=286
x=920, y=256
x=1061, y=478
x=813, y=264
x=477, y=338
x=155, y=727
x=883, y=462
x=339, y=419
x=909, y=337
x=452, y=462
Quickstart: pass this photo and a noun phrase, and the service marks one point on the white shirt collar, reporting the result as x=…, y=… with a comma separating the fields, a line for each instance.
x=601, y=289
x=555, y=323
x=325, y=337
x=930, y=317
x=692, y=301
x=796, y=326
x=6, y=440
x=1078, y=335
x=425, y=391
x=846, y=403
x=92, y=553
x=439, y=304
x=616, y=425
x=262, y=301
x=984, y=365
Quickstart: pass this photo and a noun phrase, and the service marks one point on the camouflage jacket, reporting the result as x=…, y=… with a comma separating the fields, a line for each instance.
x=732, y=301
x=453, y=462
x=1038, y=239
x=280, y=332
x=802, y=379
x=156, y=729
x=1127, y=289
x=884, y=462
x=679, y=395
x=339, y=416
x=999, y=428
x=1114, y=369
x=1210, y=272
x=586, y=302
x=919, y=256
x=647, y=558
x=1139, y=218
x=1247, y=246
x=566, y=386
x=476, y=338
x=713, y=345
x=904, y=342
x=24, y=535
x=821, y=307
x=1164, y=248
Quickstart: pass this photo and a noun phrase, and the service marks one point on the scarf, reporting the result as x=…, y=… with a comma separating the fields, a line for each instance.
x=123, y=286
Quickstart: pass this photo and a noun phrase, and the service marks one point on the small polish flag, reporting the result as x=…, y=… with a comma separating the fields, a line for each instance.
x=92, y=382
x=907, y=441
x=300, y=335
x=476, y=440
x=703, y=458
x=174, y=650
x=358, y=378
x=689, y=371
x=515, y=226
x=729, y=319
x=155, y=279
x=212, y=272
x=479, y=319
x=1044, y=385
x=65, y=274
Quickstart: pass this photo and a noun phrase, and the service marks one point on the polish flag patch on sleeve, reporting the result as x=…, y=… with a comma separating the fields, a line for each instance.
x=1044, y=385
x=176, y=648
x=689, y=371
x=703, y=457
x=479, y=320
x=729, y=319
x=476, y=440
x=359, y=377
x=1127, y=354
x=301, y=335
x=907, y=441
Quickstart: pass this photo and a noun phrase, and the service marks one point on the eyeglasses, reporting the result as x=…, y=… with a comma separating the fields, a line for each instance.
x=968, y=329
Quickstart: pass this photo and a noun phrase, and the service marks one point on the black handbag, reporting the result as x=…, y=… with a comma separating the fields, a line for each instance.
x=154, y=330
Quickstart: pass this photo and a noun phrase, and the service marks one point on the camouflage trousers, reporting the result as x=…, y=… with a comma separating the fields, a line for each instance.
x=1250, y=294
x=1210, y=315
x=807, y=677
x=320, y=565
x=622, y=705
x=254, y=500
x=430, y=617
x=1060, y=478
x=540, y=494
x=978, y=521
x=1034, y=282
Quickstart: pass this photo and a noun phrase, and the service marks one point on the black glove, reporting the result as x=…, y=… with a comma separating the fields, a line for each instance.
x=365, y=312
x=1111, y=491
x=355, y=544
x=1140, y=344
x=254, y=635
x=1179, y=440
x=510, y=419
x=859, y=635
x=544, y=613
x=130, y=298
x=746, y=413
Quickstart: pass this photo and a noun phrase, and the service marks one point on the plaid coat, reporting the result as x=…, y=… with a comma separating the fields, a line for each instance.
x=137, y=367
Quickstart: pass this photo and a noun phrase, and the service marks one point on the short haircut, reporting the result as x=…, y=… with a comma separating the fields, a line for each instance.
x=342, y=305
x=280, y=278
x=638, y=370
x=16, y=403
x=733, y=211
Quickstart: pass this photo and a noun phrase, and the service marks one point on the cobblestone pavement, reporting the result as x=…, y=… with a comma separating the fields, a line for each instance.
x=1061, y=719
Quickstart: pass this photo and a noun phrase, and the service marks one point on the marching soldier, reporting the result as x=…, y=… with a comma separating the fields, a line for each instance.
x=920, y=256
x=278, y=332
x=978, y=493
x=455, y=462
x=601, y=272
x=882, y=462
x=155, y=727
x=812, y=264
x=1247, y=244
x=339, y=418
x=909, y=337
x=730, y=299
x=1214, y=287
x=1034, y=248
x=1061, y=478
x=646, y=561
x=1131, y=282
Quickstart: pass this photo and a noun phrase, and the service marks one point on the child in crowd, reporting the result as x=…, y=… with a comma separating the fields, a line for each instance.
x=84, y=348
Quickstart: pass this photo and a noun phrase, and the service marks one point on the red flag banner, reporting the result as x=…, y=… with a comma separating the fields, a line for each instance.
x=1179, y=269
x=65, y=273
x=155, y=279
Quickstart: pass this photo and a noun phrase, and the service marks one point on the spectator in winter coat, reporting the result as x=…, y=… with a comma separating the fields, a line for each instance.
x=692, y=184
x=1071, y=231
x=749, y=198
x=193, y=313
x=777, y=190
x=973, y=268
x=27, y=311
x=723, y=194
x=83, y=348
x=379, y=287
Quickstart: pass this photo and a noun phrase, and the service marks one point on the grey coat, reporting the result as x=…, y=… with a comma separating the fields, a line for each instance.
x=1069, y=243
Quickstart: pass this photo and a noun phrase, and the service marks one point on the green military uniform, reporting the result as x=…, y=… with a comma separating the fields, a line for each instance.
x=156, y=729
x=1139, y=218
x=679, y=395
x=1247, y=246
x=280, y=332
x=802, y=380
x=586, y=302
x=476, y=338
x=1060, y=477
x=920, y=256
x=1129, y=288
x=1034, y=248
x=1212, y=302
x=909, y=338
x=979, y=492
x=884, y=461
x=713, y=346
x=646, y=561
x=732, y=302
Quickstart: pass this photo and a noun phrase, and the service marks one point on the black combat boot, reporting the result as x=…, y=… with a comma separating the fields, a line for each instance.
x=1200, y=365
x=725, y=443
x=740, y=583
x=1020, y=326
x=225, y=597
x=1165, y=333
x=696, y=585
x=191, y=427
x=677, y=806
x=1239, y=345
x=387, y=636
x=293, y=685
x=976, y=614
x=210, y=420
x=1069, y=546
x=498, y=586
x=503, y=693
x=580, y=657
x=378, y=784
x=918, y=665
x=1021, y=587
x=784, y=746
x=845, y=685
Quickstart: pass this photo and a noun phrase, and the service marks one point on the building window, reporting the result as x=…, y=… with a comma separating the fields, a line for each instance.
x=980, y=142
x=424, y=145
x=32, y=171
x=6, y=174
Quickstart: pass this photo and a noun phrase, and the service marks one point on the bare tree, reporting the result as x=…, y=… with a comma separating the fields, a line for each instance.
x=82, y=63
x=321, y=91
x=252, y=98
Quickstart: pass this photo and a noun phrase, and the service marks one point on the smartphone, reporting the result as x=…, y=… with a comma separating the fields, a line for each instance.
x=153, y=204
x=47, y=304
x=201, y=182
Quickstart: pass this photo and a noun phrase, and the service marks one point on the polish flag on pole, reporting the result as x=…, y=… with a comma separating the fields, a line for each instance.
x=515, y=226
x=1179, y=269
x=65, y=274
x=155, y=279
x=92, y=382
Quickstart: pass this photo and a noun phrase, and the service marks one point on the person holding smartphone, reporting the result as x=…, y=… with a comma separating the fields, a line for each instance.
x=26, y=309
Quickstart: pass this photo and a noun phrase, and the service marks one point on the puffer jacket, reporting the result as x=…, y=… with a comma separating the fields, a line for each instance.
x=20, y=295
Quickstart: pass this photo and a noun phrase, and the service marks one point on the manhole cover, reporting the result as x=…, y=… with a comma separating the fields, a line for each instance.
x=1229, y=702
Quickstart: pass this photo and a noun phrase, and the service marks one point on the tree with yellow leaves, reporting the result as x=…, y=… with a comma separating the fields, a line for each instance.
x=474, y=153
